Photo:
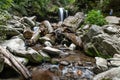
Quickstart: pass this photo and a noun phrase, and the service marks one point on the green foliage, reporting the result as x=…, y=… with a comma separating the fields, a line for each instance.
x=5, y=4
x=95, y=17
x=66, y=2
x=102, y=4
x=39, y=7
x=4, y=16
x=29, y=7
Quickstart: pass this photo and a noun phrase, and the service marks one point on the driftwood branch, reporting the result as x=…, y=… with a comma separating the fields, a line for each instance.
x=11, y=61
x=34, y=38
x=75, y=39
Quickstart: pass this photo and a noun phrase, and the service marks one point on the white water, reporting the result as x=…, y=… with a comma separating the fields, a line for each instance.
x=61, y=14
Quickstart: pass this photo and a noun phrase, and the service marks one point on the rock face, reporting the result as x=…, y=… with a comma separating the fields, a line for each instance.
x=112, y=74
x=102, y=41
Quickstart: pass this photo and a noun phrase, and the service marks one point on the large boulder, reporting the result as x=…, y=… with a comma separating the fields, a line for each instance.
x=17, y=47
x=112, y=74
x=102, y=41
x=75, y=21
x=113, y=20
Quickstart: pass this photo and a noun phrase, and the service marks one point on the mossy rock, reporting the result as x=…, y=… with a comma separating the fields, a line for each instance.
x=34, y=58
x=91, y=50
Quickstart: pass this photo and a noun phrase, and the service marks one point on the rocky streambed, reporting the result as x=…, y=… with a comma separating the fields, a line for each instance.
x=31, y=50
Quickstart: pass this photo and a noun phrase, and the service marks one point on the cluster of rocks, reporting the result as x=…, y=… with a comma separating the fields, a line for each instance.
x=110, y=68
x=103, y=40
x=35, y=42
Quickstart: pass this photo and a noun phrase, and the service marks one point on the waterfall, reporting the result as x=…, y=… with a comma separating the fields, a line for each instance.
x=61, y=14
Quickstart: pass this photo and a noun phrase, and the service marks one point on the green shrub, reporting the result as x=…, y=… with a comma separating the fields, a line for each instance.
x=95, y=17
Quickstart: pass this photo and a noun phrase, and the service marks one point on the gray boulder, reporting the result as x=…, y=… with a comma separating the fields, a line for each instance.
x=102, y=41
x=75, y=21
x=17, y=47
x=112, y=74
x=113, y=20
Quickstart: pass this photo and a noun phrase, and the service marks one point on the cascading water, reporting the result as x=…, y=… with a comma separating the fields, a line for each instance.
x=61, y=14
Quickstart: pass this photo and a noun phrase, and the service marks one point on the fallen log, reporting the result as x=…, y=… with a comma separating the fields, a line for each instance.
x=11, y=61
x=34, y=38
x=75, y=39
x=48, y=26
x=28, y=33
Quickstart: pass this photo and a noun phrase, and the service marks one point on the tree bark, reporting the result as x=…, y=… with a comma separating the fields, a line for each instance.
x=28, y=33
x=16, y=65
x=75, y=39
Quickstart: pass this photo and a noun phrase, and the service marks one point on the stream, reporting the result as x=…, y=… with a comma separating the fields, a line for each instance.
x=75, y=66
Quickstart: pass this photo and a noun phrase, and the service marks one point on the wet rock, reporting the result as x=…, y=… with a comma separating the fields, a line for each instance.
x=65, y=63
x=101, y=63
x=72, y=47
x=80, y=63
x=52, y=51
x=64, y=54
x=55, y=61
x=102, y=41
x=115, y=61
x=110, y=29
x=87, y=74
x=112, y=74
x=44, y=56
x=113, y=20
x=47, y=44
x=116, y=56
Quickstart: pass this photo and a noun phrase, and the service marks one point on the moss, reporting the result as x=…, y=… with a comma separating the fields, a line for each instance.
x=46, y=58
x=36, y=58
x=92, y=51
x=106, y=79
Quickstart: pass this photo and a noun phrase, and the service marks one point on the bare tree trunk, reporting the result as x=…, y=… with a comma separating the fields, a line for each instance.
x=11, y=61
